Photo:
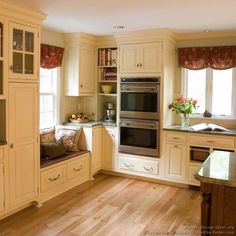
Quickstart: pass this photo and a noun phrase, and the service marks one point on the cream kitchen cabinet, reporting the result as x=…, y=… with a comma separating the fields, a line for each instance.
x=2, y=181
x=23, y=52
x=144, y=57
x=23, y=143
x=176, y=158
x=91, y=140
x=109, y=148
x=79, y=67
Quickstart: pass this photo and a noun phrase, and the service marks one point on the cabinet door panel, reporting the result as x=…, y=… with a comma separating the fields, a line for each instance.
x=129, y=58
x=23, y=42
x=176, y=162
x=23, y=131
x=87, y=75
x=2, y=189
x=96, y=149
x=152, y=57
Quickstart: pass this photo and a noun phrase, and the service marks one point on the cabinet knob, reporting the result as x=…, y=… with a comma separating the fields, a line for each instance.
x=137, y=65
x=81, y=86
x=11, y=67
x=11, y=146
x=140, y=65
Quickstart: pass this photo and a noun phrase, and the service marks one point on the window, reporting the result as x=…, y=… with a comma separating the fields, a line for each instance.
x=213, y=89
x=48, y=97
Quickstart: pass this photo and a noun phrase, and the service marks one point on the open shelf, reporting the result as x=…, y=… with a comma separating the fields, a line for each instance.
x=108, y=94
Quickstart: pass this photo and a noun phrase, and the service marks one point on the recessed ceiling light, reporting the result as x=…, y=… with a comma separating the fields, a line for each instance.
x=118, y=27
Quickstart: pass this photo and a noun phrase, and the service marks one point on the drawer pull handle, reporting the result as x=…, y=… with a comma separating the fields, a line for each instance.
x=175, y=138
x=129, y=166
x=56, y=178
x=76, y=170
x=176, y=146
x=148, y=169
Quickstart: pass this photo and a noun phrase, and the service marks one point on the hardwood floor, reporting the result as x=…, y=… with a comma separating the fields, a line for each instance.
x=111, y=205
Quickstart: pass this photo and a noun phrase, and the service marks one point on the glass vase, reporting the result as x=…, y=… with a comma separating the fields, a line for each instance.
x=184, y=120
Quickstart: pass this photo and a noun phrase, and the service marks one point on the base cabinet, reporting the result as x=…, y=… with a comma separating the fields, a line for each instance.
x=109, y=148
x=91, y=140
x=23, y=146
x=176, y=157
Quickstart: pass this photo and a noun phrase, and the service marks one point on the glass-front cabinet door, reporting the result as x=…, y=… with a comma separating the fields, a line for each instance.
x=2, y=59
x=23, y=52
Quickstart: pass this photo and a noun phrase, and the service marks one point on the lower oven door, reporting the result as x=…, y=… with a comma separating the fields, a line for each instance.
x=139, y=137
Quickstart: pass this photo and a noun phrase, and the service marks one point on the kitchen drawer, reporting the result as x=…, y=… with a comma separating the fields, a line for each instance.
x=212, y=141
x=192, y=170
x=1, y=154
x=139, y=165
x=176, y=137
x=53, y=177
x=78, y=167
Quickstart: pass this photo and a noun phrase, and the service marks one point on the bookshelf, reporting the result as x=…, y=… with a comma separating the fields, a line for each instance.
x=107, y=75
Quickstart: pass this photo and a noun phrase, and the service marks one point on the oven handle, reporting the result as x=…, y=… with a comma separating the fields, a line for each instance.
x=126, y=89
x=139, y=125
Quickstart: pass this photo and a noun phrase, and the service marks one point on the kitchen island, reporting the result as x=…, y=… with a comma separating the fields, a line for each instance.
x=218, y=187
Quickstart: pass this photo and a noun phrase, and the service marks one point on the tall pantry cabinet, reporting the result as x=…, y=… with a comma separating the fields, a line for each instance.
x=20, y=83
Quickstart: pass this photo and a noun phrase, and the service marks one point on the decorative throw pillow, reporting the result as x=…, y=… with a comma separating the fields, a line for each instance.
x=53, y=150
x=47, y=135
x=70, y=138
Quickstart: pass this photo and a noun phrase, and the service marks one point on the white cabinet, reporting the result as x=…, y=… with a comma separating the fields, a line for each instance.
x=24, y=41
x=23, y=146
x=91, y=140
x=109, y=148
x=144, y=57
x=79, y=68
x=176, y=158
x=2, y=181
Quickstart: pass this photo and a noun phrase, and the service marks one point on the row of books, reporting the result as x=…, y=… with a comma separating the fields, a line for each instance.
x=107, y=57
x=108, y=75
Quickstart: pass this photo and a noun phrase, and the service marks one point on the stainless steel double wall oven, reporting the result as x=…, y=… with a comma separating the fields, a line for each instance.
x=139, y=116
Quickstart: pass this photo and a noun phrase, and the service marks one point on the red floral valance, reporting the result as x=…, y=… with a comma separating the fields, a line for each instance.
x=51, y=56
x=196, y=58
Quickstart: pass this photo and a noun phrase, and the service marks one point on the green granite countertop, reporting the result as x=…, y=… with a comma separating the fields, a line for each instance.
x=231, y=132
x=90, y=124
x=219, y=168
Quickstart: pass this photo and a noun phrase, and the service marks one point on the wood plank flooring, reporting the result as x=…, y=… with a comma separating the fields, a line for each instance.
x=111, y=205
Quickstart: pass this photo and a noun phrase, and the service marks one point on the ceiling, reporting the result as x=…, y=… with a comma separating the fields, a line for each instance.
x=99, y=16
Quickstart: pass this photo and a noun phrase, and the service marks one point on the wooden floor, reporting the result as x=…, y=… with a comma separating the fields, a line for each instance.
x=111, y=205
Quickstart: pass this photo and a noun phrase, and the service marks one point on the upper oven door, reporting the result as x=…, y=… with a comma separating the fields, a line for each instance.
x=139, y=101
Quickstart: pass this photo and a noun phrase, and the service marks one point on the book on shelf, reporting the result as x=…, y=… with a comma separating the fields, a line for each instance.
x=210, y=127
x=107, y=57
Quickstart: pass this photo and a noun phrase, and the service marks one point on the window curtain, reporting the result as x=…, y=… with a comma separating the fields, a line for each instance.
x=196, y=58
x=51, y=56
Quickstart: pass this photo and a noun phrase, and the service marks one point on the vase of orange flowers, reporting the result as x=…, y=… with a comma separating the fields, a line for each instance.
x=183, y=107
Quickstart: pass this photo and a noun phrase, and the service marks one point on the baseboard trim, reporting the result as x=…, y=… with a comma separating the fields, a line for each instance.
x=152, y=180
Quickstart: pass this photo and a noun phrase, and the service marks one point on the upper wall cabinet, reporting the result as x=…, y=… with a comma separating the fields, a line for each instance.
x=2, y=59
x=80, y=68
x=23, y=52
x=144, y=58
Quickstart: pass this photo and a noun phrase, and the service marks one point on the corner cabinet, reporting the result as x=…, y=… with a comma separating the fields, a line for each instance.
x=144, y=57
x=23, y=52
x=79, y=67
x=23, y=146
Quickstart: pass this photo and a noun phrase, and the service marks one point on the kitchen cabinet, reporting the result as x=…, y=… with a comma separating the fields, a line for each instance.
x=3, y=81
x=2, y=181
x=109, y=148
x=79, y=68
x=91, y=140
x=144, y=57
x=23, y=142
x=23, y=52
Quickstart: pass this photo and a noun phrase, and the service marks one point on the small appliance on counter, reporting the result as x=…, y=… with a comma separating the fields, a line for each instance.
x=110, y=113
